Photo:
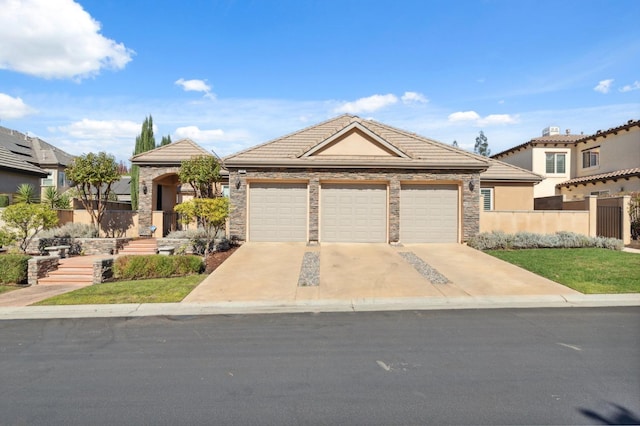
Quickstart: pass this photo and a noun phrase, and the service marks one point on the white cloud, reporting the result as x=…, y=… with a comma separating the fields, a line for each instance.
x=489, y=120
x=55, y=39
x=101, y=130
x=369, y=104
x=463, y=116
x=630, y=87
x=197, y=135
x=414, y=97
x=195, y=86
x=495, y=119
x=11, y=108
x=604, y=86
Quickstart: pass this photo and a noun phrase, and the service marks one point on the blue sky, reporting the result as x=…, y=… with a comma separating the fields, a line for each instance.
x=231, y=74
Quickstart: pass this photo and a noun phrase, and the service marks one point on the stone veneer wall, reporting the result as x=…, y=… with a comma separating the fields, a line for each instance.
x=145, y=201
x=89, y=246
x=102, y=270
x=394, y=178
x=40, y=266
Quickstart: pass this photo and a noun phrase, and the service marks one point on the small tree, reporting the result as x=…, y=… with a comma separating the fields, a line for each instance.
x=482, y=146
x=202, y=173
x=54, y=199
x=28, y=220
x=210, y=213
x=26, y=193
x=634, y=215
x=92, y=175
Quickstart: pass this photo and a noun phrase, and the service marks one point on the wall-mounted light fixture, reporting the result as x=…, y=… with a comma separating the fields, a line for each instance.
x=238, y=183
x=144, y=188
x=472, y=186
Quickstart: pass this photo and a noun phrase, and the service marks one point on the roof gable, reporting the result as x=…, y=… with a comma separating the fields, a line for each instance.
x=172, y=154
x=354, y=140
x=349, y=141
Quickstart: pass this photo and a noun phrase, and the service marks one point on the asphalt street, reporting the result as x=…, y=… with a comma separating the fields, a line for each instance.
x=504, y=366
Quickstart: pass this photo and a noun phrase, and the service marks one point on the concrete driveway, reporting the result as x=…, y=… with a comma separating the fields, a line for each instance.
x=293, y=271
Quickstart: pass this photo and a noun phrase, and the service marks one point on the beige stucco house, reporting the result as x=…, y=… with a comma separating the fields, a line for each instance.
x=354, y=180
x=605, y=163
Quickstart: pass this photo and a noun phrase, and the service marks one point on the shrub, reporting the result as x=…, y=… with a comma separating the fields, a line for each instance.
x=498, y=240
x=156, y=266
x=13, y=268
x=71, y=230
x=4, y=200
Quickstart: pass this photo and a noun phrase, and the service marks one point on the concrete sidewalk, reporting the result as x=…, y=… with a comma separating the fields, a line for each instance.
x=315, y=306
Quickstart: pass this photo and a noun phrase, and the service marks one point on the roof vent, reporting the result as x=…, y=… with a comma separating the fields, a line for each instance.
x=551, y=131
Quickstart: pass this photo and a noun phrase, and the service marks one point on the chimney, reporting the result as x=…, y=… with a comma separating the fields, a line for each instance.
x=551, y=131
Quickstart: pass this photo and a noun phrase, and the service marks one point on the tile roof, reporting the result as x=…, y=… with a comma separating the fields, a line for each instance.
x=172, y=154
x=10, y=161
x=551, y=139
x=417, y=151
x=29, y=154
x=569, y=139
x=499, y=171
x=618, y=174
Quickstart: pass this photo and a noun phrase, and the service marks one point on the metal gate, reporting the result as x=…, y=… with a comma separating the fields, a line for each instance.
x=609, y=222
x=170, y=222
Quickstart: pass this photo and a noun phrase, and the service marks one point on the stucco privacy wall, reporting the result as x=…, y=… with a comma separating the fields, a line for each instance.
x=539, y=221
x=470, y=219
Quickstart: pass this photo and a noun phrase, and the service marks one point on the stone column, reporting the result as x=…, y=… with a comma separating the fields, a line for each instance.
x=314, y=193
x=145, y=205
x=394, y=210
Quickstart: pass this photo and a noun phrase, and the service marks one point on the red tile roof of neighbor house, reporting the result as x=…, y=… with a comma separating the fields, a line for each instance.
x=618, y=174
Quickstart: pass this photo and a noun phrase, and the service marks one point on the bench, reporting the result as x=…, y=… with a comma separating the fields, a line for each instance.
x=60, y=251
x=166, y=250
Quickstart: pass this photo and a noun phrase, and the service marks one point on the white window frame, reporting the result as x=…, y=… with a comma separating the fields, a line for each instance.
x=593, y=156
x=483, y=192
x=556, y=155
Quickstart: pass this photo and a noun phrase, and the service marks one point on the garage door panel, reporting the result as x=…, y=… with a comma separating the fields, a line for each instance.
x=429, y=213
x=278, y=212
x=353, y=212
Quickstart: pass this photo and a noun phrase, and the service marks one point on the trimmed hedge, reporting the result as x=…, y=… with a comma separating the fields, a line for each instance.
x=498, y=240
x=4, y=200
x=13, y=268
x=156, y=266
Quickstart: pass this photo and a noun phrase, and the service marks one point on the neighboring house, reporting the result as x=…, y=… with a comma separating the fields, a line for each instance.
x=607, y=162
x=354, y=180
x=548, y=156
x=25, y=159
x=122, y=189
x=507, y=187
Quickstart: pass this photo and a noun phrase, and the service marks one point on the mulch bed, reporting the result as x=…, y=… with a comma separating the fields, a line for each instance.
x=216, y=259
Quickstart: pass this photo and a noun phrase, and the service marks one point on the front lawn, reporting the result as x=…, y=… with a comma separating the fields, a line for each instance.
x=160, y=290
x=5, y=288
x=587, y=270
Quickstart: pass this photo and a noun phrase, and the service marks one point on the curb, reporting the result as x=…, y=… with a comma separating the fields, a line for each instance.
x=316, y=306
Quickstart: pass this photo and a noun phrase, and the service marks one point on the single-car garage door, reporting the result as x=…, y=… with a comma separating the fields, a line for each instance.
x=353, y=213
x=429, y=214
x=277, y=211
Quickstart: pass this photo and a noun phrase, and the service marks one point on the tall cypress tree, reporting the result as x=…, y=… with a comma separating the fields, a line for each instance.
x=166, y=140
x=145, y=141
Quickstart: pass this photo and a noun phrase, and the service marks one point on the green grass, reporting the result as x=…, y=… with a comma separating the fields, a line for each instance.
x=5, y=288
x=160, y=290
x=587, y=270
